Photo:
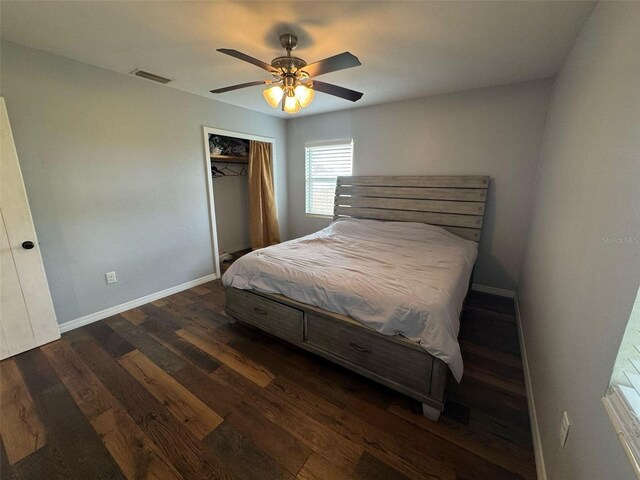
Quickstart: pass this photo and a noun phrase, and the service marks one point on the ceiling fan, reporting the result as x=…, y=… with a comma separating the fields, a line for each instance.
x=294, y=82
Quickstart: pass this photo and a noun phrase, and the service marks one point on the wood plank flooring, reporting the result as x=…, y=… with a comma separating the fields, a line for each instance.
x=174, y=390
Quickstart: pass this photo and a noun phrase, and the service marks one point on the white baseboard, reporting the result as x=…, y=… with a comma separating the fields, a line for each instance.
x=94, y=317
x=533, y=417
x=493, y=290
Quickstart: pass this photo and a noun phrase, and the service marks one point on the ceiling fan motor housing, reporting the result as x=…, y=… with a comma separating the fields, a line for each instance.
x=288, y=63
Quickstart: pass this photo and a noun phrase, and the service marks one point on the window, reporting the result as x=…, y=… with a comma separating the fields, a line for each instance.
x=623, y=398
x=323, y=164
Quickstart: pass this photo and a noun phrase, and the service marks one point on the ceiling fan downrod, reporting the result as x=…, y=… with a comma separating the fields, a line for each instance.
x=288, y=63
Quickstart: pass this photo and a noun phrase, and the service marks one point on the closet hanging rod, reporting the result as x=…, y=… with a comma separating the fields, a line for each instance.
x=228, y=159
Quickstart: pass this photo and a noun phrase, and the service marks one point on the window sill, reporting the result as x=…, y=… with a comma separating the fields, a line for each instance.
x=626, y=425
x=317, y=215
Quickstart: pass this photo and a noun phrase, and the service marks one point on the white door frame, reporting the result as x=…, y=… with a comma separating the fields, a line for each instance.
x=207, y=159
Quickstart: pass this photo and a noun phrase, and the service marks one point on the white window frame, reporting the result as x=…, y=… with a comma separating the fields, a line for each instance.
x=626, y=425
x=327, y=143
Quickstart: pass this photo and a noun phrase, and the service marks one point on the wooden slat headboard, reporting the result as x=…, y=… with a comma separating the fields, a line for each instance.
x=455, y=203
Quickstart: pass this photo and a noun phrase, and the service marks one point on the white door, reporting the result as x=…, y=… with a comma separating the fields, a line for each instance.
x=27, y=318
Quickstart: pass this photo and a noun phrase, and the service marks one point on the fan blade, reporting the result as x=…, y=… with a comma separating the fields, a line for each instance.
x=241, y=85
x=332, y=64
x=337, y=91
x=248, y=58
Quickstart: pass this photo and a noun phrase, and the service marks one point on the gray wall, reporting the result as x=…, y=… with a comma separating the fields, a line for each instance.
x=493, y=131
x=577, y=289
x=231, y=198
x=114, y=170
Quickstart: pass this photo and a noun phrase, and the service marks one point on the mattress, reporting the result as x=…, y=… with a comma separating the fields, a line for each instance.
x=399, y=278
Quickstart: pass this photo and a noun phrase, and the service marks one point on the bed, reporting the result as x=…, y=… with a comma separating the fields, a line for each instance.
x=381, y=289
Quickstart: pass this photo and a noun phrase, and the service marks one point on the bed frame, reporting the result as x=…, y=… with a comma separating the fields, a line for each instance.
x=455, y=203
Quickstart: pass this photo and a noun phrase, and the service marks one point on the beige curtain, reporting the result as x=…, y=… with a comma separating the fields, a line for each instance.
x=263, y=219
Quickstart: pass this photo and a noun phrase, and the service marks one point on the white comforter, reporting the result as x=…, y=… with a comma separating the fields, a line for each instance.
x=399, y=278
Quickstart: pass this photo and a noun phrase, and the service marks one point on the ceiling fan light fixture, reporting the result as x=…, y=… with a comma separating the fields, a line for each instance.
x=273, y=95
x=304, y=94
x=294, y=84
x=291, y=104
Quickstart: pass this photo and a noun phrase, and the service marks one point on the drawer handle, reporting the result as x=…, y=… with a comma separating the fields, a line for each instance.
x=357, y=347
x=259, y=310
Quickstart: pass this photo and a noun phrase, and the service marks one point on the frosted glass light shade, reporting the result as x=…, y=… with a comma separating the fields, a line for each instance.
x=304, y=95
x=291, y=104
x=273, y=95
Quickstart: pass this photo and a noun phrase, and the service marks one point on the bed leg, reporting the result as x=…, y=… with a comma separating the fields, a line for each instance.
x=231, y=318
x=430, y=412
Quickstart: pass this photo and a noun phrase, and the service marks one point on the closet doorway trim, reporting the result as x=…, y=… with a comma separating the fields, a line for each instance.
x=207, y=158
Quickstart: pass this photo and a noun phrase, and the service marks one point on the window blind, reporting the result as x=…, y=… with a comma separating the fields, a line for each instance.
x=623, y=398
x=323, y=164
x=626, y=371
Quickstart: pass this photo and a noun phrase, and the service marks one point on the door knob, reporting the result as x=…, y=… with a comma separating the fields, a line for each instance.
x=28, y=245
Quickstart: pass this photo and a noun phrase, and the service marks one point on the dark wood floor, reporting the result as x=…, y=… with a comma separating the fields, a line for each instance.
x=173, y=390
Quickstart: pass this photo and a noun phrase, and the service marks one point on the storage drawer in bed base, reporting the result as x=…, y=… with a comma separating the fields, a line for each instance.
x=273, y=317
x=392, y=361
x=403, y=365
x=431, y=398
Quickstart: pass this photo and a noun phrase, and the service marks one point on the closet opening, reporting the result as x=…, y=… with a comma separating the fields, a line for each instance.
x=227, y=160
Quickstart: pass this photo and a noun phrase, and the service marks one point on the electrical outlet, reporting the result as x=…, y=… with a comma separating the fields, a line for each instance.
x=564, y=429
x=111, y=277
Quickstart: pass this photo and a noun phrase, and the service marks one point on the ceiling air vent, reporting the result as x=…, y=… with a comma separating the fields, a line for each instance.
x=150, y=76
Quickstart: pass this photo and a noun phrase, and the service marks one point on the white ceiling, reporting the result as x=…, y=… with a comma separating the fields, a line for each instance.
x=407, y=49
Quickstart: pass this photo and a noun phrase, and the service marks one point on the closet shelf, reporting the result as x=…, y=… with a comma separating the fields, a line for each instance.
x=229, y=159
